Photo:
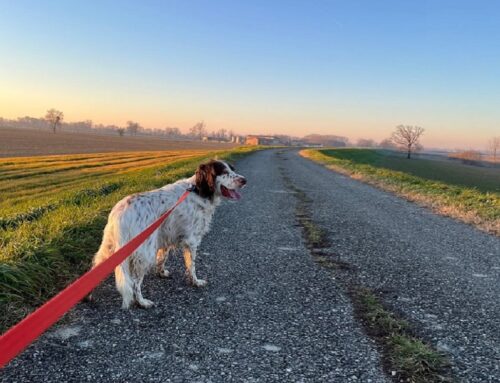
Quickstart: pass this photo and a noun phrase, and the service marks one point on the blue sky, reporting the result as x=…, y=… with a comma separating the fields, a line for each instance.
x=353, y=68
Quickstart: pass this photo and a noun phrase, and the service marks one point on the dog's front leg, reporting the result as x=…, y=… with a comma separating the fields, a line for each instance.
x=189, y=260
x=161, y=261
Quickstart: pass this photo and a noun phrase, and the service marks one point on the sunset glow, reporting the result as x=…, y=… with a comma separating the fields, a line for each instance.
x=355, y=69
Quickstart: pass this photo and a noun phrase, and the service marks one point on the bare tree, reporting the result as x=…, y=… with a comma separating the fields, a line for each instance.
x=172, y=132
x=221, y=134
x=198, y=130
x=54, y=118
x=407, y=136
x=494, y=147
x=133, y=127
x=120, y=131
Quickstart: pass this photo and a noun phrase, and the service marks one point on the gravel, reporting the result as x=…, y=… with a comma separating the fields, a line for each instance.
x=268, y=313
x=440, y=274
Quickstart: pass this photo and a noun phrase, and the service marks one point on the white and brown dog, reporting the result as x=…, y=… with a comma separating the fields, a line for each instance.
x=185, y=228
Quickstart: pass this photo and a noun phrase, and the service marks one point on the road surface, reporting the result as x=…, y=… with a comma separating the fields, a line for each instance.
x=271, y=314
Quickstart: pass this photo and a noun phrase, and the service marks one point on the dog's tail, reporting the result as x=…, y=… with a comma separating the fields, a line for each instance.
x=108, y=246
x=124, y=283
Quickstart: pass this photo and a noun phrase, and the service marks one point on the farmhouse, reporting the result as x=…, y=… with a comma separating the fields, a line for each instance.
x=262, y=140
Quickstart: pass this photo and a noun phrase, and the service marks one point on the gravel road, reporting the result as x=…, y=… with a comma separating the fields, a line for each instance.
x=268, y=313
x=440, y=274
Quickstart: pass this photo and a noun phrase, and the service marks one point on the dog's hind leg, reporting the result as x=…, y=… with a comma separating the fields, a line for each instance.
x=125, y=283
x=161, y=262
x=138, y=271
x=141, y=301
x=189, y=260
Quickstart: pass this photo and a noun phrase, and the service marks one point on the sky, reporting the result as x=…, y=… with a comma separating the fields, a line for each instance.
x=352, y=68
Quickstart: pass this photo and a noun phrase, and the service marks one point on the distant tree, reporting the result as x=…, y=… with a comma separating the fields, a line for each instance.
x=120, y=131
x=198, y=130
x=494, y=147
x=133, y=127
x=387, y=144
x=326, y=140
x=366, y=143
x=221, y=134
x=54, y=118
x=80, y=126
x=172, y=132
x=407, y=137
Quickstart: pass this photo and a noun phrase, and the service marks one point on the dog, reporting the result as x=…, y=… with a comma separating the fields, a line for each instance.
x=184, y=228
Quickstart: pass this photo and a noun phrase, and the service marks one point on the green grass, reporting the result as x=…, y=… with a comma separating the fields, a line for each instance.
x=460, y=191
x=412, y=359
x=53, y=210
x=450, y=172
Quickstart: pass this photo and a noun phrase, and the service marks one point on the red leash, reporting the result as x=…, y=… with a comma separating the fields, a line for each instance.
x=18, y=337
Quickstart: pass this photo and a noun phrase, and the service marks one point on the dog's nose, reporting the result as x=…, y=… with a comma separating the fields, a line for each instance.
x=243, y=181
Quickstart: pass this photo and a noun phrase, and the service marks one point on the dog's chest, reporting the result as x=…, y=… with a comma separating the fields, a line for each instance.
x=189, y=221
x=201, y=220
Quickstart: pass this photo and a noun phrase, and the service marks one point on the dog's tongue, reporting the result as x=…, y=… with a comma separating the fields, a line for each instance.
x=231, y=194
x=234, y=194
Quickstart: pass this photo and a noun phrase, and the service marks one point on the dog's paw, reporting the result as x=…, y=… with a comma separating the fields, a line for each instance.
x=163, y=273
x=199, y=282
x=145, y=303
x=88, y=298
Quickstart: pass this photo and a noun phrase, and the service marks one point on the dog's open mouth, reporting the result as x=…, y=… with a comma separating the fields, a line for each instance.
x=230, y=193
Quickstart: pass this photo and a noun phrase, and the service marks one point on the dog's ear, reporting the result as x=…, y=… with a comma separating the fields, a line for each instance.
x=205, y=180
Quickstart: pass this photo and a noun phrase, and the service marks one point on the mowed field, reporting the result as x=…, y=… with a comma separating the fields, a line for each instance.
x=451, y=172
x=53, y=210
x=25, y=142
x=466, y=192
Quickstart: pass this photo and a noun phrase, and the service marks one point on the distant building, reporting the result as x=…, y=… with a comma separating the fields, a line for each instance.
x=237, y=139
x=262, y=140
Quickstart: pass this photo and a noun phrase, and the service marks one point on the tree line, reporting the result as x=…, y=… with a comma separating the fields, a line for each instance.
x=53, y=121
x=406, y=138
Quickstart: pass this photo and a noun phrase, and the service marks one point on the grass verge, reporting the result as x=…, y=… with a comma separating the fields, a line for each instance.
x=470, y=205
x=48, y=240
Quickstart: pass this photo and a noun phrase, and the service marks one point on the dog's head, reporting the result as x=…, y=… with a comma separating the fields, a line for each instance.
x=218, y=178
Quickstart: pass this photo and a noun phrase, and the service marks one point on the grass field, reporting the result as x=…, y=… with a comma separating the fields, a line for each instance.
x=450, y=172
x=17, y=142
x=468, y=193
x=53, y=210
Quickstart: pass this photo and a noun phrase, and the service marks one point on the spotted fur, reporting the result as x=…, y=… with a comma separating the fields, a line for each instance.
x=184, y=229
